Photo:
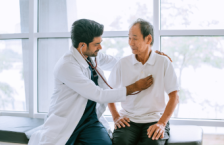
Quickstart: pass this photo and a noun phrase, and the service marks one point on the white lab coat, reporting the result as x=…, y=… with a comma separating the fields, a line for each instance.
x=73, y=88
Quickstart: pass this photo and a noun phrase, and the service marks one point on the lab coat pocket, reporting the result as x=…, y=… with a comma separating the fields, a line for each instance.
x=52, y=128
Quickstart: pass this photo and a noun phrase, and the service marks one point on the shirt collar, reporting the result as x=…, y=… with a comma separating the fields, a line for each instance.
x=151, y=59
x=78, y=57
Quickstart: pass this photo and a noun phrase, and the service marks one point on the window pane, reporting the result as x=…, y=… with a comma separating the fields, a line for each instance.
x=14, y=16
x=49, y=52
x=115, y=14
x=199, y=65
x=117, y=47
x=192, y=14
x=14, y=72
x=58, y=15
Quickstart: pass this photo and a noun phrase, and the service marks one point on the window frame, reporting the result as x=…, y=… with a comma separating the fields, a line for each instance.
x=33, y=37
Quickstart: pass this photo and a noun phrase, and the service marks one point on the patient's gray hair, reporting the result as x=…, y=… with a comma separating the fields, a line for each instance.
x=146, y=28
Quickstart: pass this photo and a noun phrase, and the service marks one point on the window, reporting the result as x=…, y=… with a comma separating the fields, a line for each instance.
x=199, y=65
x=191, y=14
x=188, y=35
x=35, y=33
x=16, y=20
x=14, y=69
x=14, y=56
x=116, y=15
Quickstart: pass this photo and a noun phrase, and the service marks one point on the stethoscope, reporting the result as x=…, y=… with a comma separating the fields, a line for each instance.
x=95, y=68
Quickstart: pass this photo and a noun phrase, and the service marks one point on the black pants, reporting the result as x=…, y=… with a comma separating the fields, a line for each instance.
x=136, y=134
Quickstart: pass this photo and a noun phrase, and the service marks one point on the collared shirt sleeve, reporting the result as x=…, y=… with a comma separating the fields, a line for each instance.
x=170, y=78
x=106, y=62
x=70, y=74
x=115, y=76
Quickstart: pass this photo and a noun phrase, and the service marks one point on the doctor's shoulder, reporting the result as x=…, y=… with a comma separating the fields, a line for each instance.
x=66, y=63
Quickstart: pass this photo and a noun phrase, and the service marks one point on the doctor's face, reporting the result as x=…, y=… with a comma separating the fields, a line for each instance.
x=94, y=47
x=136, y=41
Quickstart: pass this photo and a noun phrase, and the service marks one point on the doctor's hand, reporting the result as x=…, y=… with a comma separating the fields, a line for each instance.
x=144, y=83
x=140, y=85
x=161, y=53
x=156, y=131
x=121, y=122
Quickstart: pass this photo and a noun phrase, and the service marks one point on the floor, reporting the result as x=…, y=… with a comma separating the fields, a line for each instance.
x=211, y=139
x=208, y=139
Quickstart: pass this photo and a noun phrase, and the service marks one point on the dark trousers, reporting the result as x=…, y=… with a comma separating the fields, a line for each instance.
x=94, y=134
x=136, y=134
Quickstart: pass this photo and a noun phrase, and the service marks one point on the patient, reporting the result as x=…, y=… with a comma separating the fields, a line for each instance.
x=144, y=118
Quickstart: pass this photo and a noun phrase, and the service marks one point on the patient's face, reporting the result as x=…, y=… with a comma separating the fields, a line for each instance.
x=136, y=41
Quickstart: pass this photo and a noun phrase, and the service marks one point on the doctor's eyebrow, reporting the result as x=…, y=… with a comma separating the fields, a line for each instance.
x=99, y=42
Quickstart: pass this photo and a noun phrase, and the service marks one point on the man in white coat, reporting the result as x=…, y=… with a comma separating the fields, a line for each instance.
x=80, y=94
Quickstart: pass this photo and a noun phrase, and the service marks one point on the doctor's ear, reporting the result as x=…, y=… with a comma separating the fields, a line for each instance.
x=81, y=44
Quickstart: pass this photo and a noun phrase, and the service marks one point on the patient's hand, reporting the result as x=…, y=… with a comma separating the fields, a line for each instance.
x=121, y=121
x=157, y=130
x=161, y=53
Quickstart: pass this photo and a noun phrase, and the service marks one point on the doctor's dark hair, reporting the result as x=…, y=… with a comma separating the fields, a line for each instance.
x=146, y=28
x=85, y=30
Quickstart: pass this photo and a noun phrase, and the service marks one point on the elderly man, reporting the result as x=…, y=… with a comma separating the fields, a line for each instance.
x=144, y=118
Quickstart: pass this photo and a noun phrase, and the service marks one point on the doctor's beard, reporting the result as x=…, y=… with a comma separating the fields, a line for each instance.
x=90, y=53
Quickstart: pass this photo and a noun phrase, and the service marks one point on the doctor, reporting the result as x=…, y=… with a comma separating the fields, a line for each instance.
x=80, y=94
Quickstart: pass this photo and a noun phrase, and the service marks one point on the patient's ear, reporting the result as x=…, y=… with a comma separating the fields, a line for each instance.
x=148, y=39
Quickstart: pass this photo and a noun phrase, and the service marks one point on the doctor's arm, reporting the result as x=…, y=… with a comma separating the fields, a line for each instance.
x=106, y=62
x=70, y=74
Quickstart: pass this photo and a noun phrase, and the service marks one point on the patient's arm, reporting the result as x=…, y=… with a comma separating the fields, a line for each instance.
x=161, y=53
x=157, y=130
x=118, y=120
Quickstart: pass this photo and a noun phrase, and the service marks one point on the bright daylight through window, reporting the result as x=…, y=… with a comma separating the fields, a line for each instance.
x=36, y=33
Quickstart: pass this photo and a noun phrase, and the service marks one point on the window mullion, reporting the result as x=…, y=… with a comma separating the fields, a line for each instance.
x=14, y=36
x=31, y=99
x=156, y=24
x=191, y=32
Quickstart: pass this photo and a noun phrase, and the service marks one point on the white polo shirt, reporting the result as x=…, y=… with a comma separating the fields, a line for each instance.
x=149, y=105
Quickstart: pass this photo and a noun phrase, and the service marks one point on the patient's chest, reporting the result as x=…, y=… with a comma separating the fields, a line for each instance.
x=130, y=74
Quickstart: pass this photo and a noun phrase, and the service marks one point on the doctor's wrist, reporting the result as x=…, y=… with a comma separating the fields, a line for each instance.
x=132, y=88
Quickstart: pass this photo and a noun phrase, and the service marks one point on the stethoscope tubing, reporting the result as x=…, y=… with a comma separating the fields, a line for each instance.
x=95, y=68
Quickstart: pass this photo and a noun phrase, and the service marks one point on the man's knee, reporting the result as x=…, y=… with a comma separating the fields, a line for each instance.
x=124, y=139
